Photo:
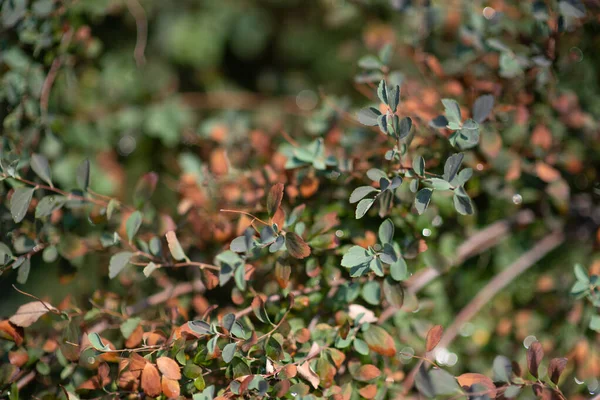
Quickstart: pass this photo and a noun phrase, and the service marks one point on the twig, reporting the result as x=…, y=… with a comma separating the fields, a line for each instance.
x=500, y=281
x=476, y=244
x=168, y=293
x=47, y=86
x=141, y=25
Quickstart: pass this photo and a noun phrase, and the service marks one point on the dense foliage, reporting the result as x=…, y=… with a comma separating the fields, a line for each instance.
x=266, y=198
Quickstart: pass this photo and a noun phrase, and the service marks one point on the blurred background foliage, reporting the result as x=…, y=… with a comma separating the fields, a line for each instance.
x=200, y=92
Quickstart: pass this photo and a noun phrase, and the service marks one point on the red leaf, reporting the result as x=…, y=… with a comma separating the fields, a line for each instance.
x=471, y=379
x=555, y=368
x=274, y=198
x=296, y=246
x=535, y=353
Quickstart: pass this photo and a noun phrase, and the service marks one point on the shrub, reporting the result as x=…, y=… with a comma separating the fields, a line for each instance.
x=182, y=218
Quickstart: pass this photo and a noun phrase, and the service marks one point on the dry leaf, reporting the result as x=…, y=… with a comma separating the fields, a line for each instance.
x=10, y=331
x=546, y=172
x=28, y=313
x=369, y=391
x=367, y=372
x=471, y=379
x=170, y=387
x=169, y=368
x=354, y=310
x=151, y=381
x=307, y=373
x=433, y=337
x=274, y=198
x=296, y=246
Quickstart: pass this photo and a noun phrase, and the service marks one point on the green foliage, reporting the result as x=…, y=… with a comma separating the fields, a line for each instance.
x=271, y=199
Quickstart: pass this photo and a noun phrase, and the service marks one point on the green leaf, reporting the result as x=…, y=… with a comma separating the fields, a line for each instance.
x=175, y=247
x=129, y=326
x=229, y=352
x=394, y=98
x=483, y=107
x=23, y=272
x=371, y=292
x=144, y=189
x=376, y=266
x=366, y=116
x=462, y=202
x=239, y=277
x=96, y=342
x=375, y=174
x=361, y=346
x=502, y=369
x=444, y=383
x=356, y=255
x=399, y=270
x=382, y=92
x=393, y=292
x=118, y=262
x=238, y=330
x=370, y=62
x=133, y=224
x=360, y=192
x=452, y=166
x=595, y=323
x=149, y=269
x=439, y=184
x=581, y=274
x=39, y=165
x=404, y=127
x=363, y=207
x=452, y=111
x=200, y=327
x=19, y=203
x=512, y=391
x=419, y=165
x=228, y=321
x=110, y=208
x=422, y=200
x=467, y=137
x=386, y=231
x=48, y=205
x=83, y=175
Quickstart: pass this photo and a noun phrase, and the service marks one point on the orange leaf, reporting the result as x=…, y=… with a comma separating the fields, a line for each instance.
x=471, y=379
x=367, y=372
x=546, y=172
x=151, y=381
x=18, y=358
x=170, y=387
x=433, y=337
x=169, y=368
x=10, y=331
x=369, y=391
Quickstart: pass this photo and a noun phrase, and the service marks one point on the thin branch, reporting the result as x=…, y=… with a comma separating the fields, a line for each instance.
x=169, y=293
x=141, y=25
x=476, y=244
x=500, y=281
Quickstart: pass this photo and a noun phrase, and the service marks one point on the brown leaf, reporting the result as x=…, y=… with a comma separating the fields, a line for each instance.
x=137, y=364
x=151, y=381
x=541, y=137
x=535, y=354
x=281, y=388
x=10, y=331
x=380, y=341
x=367, y=372
x=28, y=313
x=274, y=198
x=296, y=246
x=169, y=368
x=279, y=217
x=170, y=387
x=433, y=337
x=555, y=368
x=369, y=391
x=307, y=373
x=135, y=338
x=471, y=379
